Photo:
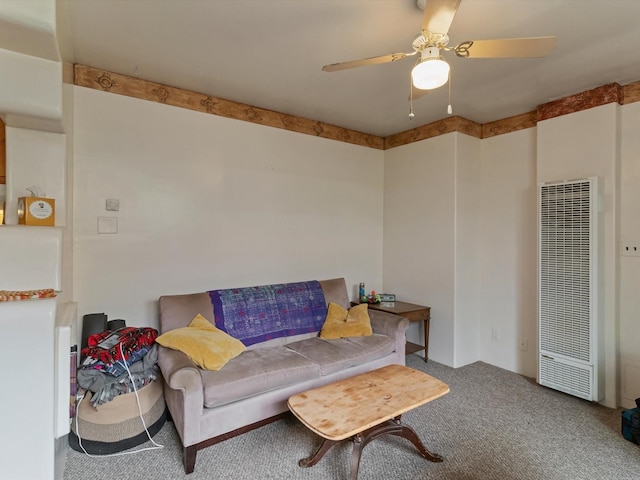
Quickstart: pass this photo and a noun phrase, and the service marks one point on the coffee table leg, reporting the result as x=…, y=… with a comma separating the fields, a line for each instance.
x=316, y=457
x=426, y=339
x=391, y=427
x=360, y=440
x=358, y=445
x=409, y=433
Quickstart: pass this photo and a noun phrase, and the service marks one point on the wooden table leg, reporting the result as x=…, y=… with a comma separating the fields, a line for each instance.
x=426, y=339
x=409, y=433
x=358, y=445
x=317, y=456
x=390, y=427
x=360, y=440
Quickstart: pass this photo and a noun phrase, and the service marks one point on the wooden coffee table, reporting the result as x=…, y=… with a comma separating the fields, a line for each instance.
x=366, y=407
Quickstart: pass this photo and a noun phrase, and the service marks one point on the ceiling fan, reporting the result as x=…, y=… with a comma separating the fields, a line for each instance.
x=431, y=70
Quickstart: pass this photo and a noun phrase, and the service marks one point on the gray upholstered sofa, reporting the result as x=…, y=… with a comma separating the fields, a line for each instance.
x=252, y=389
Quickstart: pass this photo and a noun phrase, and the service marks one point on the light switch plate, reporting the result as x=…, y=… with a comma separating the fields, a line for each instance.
x=107, y=225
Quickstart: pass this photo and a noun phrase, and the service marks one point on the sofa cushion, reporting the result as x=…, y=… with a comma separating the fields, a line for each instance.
x=341, y=353
x=177, y=311
x=335, y=290
x=341, y=322
x=254, y=372
x=209, y=347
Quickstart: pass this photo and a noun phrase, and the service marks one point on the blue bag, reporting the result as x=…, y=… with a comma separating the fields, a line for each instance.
x=631, y=423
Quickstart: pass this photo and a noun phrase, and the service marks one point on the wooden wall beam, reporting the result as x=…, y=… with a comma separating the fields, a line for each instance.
x=631, y=93
x=469, y=127
x=98, y=79
x=508, y=125
x=441, y=127
x=581, y=101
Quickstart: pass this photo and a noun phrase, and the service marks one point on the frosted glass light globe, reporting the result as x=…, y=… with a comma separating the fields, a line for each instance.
x=430, y=73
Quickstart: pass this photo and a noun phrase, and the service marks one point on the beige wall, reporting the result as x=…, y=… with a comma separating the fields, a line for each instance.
x=580, y=145
x=273, y=194
x=208, y=202
x=419, y=229
x=508, y=243
x=459, y=231
x=629, y=320
x=467, y=272
x=422, y=242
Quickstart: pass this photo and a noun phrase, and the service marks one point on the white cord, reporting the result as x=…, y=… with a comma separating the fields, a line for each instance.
x=135, y=390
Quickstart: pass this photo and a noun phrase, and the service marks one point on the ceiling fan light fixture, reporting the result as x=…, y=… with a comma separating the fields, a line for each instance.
x=432, y=72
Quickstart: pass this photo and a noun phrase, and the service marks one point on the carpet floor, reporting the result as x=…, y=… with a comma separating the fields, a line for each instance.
x=494, y=424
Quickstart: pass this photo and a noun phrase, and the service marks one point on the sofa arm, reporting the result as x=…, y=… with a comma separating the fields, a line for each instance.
x=178, y=370
x=390, y=325
x=184, y=395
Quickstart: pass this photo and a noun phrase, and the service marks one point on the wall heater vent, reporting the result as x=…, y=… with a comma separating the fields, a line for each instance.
x=571, y=378
x=568, y=287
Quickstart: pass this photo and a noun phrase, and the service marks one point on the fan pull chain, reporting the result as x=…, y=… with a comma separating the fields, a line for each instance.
x=449, y=109
x=411, y=114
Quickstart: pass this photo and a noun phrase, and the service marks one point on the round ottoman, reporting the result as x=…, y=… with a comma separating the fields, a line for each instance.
x=116, y=426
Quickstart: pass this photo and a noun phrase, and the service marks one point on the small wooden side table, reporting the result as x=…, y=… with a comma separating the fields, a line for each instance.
x=414, y=313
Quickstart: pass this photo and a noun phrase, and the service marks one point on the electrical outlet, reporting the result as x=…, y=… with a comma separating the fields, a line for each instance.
x=524, y=344
x=495, y=334
x=630, y=249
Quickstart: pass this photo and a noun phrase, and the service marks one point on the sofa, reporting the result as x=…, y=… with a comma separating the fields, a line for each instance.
x=252, y=389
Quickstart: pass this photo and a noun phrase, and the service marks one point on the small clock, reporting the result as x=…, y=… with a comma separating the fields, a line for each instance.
x=36, y=211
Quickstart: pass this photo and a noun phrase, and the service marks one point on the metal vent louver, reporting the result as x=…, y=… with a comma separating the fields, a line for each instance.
x=565, y=269
x=567, y=285
x=573, y=379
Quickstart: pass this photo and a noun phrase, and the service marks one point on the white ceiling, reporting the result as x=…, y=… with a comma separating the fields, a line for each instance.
x=269, y=53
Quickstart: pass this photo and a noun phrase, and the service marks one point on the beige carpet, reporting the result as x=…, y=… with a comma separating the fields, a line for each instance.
x=493, y=424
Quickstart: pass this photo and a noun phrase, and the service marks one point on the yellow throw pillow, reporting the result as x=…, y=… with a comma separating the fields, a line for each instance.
x=341, y=323
x=205, y=344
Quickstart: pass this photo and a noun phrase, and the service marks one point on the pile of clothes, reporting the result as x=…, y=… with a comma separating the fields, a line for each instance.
x=114, y=361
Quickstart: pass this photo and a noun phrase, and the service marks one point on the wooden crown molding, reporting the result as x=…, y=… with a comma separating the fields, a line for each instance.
x=99, y=79
x=508, y=125
x=631, y=93
x=441, y=127
x=581, y=101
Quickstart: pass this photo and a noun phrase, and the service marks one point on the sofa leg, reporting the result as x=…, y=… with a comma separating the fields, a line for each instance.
x=190, y=458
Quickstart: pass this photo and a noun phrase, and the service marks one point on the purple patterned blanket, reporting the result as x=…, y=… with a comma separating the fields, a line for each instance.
x=256, y=314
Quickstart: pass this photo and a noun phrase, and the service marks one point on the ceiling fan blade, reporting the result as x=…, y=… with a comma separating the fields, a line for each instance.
x=507, y=47
x=366, y=61
x=438, y=15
